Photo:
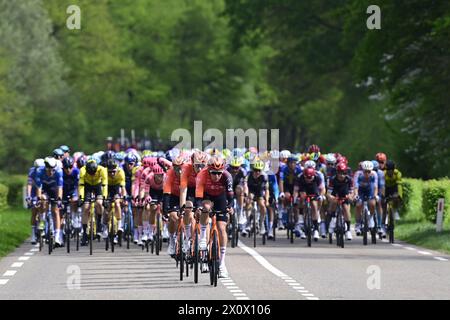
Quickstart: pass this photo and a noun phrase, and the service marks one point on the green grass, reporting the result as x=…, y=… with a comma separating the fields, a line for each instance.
x=423, y=233
x=14, y=229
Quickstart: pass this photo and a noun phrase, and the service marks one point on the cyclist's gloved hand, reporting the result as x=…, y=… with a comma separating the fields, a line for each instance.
x=281, y=195
x=80, y=202
x=59, y=203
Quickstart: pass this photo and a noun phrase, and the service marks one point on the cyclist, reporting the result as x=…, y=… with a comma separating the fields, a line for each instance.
x=274, y=192
x=215, y=184
x=340, y=185
x=240, y=189
x=381, y=191
x=116, y=191
x=394, y=188
x=189, y=172
x=49, y=185
x=31, y=195
x=286, y=183
x=58, y=155
x=366, y=188
x=153, y=191
x=310, y=183
x=66, y=150
x=130, y=167
x=171, y=199
x=81, y=161
x=71, y=176
x=93, y=179
x=258, y=190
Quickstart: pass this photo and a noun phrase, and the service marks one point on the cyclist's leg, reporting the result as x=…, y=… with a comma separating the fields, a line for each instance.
x=315, y=216
x=220, y=205
x=204, y=225
x=262, y=211
x=347, y=219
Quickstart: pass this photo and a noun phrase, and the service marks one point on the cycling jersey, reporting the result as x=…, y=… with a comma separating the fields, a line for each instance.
x=381, y=181
x=129, y=177
x=393, y=183
x=274, y=192
x=100, y=178
x=257, y=186
x=49, y=184
x=288, y=177
x=188, y=176
x=314, y=187
x=340, y=188
x=32, y=180
x=118, y=179
x=172, y=183
x=71, y=183
x=136, y=187
x=239, y=177
x=205, y=185
x=365, y=186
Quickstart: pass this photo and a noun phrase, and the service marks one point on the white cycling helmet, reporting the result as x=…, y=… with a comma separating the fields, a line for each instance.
x=367, y=165
x=310, y=164
x=285, y=154
x=39, y=163
x=274, y=154
x=330, y=158
x=50, y=162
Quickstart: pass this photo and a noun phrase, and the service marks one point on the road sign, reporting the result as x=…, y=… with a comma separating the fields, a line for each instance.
x=440, y=214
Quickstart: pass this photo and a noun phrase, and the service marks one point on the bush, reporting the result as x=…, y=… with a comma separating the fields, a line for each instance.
x=432, y=191
x=412, y=199
x=3, y=197
x=15, y=184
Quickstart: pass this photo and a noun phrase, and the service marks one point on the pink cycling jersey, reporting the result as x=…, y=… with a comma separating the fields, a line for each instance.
x=150, y=183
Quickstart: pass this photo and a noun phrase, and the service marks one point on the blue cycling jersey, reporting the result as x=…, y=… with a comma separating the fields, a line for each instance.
x=273, y=186
x=49, y=183
x=366, y=186
x=287, y=176
x=70, y=181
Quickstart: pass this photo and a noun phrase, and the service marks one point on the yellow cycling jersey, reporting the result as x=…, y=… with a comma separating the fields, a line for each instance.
x=394, y=180
x=99, y=178
x=118, y=179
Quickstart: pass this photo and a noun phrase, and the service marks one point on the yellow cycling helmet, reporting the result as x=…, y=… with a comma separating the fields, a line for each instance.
x=236, y=162
x=226, y=153
x=259, y=165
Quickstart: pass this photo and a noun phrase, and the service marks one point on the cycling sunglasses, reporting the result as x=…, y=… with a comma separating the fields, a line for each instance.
x=216, y=173
x=199, y=165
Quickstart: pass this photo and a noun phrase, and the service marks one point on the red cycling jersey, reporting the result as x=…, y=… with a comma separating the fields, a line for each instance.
x=204, y=184
x=172, y=183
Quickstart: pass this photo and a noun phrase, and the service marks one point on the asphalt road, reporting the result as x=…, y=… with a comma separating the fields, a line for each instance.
x=278, y=270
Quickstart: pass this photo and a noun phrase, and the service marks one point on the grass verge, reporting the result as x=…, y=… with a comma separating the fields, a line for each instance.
x=14, y=229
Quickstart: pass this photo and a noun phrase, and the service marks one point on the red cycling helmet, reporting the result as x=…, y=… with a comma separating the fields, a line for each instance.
x=322, y=159
x=199, y=157
x=216, y=163
x=381, y=157
x=341, y=167
x=157, y=169
x=309, y=172
x=314, y=148
x=179, y=160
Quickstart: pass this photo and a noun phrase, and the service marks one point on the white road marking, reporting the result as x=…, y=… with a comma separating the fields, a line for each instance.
x=229, y=284
x=303, y=291
x=17, y=265
x=410, y=249
x=262, y=261
x=24, y=258
x=312, y=298
x=239, y=294
x=9, y=273
x=242, y=298
x=3, y=281
x=441, y=259
x=29, y=253
x=397, y=245
x=238, y=290
x=299, y=288
x=307, y=295
x=425, y=253
x=233, y=287
x=34, y=250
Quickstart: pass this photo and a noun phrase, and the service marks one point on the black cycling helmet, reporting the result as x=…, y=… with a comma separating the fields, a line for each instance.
x=106, y=156
x=81, y=162
x=67, y=163
x=390, y=165
x=91, y=167
x=111, y=164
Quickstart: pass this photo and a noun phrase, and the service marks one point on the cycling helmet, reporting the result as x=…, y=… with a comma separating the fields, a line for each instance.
x=39, y=163
x=314, y=148
x=178, y=161
x=148, y=162
x=285, y=154
x=111, y=164
x=50, y=162
x=310, y=164
x=292, y=158
x=253, y=150
x=259, y=165
x=236, y=162
x=367, y=165
x=130, y=158
x=91, y=166
x=81, y=161
x=314, y=156
x=226, y=153
x=199, y=157
x=341, y=167
x=157, y=169
x=107, y=156
x=146, y=153
x=58, y=153
x=376, y=165
x=237, y=152
x=390, y=165
x=274, y=154
x=330, y=158
x=119, y=156
x=67, y=162
x=64, y=148
x=380, y=157
x=309, y=172
x=216, y=163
